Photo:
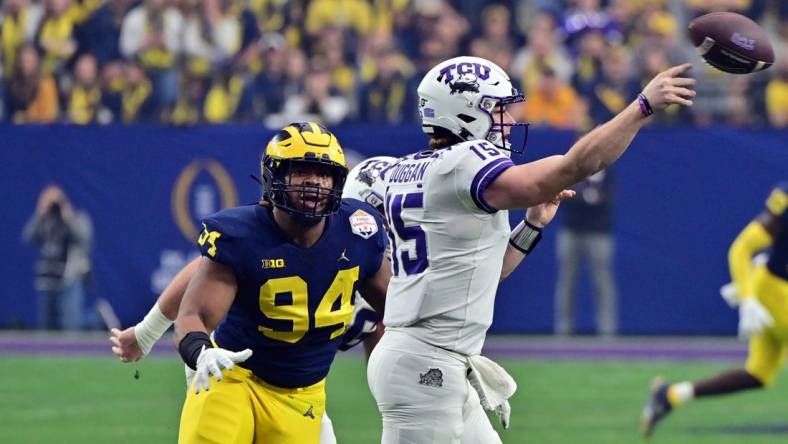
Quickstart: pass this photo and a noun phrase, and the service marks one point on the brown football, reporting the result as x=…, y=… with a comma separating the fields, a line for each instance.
x=731, y=42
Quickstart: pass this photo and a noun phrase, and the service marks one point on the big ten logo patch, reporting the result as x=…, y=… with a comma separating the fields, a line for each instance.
x=273, y=263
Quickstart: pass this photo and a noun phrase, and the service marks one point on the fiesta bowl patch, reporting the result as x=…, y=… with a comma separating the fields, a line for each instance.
x=363, y=224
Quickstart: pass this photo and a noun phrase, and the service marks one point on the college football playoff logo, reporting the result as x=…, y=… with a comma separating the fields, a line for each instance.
x=363, y=224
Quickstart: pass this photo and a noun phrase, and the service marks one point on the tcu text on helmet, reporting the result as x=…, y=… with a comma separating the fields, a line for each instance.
x=446, y=74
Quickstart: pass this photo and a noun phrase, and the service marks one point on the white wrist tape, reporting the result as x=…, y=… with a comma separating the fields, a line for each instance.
x=525, y=236
x=151, y=328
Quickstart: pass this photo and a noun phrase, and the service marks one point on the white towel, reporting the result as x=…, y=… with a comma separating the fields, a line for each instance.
x=494, y=386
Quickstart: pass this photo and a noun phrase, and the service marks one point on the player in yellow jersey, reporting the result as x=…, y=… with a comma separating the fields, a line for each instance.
x=762, y=290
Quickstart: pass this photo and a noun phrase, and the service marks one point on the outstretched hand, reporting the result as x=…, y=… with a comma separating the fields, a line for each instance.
x=541, y=215
x=124, y=345
x=667, y=88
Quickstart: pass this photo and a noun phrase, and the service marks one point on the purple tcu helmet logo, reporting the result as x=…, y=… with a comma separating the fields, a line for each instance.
x=447, y=73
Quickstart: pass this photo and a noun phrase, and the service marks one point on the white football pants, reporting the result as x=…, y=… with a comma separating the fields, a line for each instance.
x=424, y=395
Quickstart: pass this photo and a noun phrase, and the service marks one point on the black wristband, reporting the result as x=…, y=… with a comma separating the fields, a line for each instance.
x=645, y=106
x=191, y=345
x=525, y=237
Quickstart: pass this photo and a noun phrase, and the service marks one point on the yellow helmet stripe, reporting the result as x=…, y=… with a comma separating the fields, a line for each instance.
x=305, y=140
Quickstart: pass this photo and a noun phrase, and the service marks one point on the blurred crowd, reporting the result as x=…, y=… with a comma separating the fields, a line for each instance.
x=185, y=62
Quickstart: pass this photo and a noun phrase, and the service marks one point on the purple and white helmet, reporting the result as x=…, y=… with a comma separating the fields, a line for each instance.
x=460, y=95
x=363, y=181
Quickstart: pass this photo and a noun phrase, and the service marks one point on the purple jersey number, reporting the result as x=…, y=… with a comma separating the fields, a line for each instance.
x=491, y=152
x=399, y=233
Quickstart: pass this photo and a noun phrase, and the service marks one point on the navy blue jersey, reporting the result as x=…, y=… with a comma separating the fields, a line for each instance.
x=777, y=204
x=293, y=303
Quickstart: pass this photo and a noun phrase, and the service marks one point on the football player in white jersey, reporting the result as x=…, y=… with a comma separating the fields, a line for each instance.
x=134, y=343
x=452, y=244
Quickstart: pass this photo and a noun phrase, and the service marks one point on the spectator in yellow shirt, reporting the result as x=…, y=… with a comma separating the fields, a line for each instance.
x=20, y=20
x=32, y=95
x=56, y=36
x=84, y=99
x=553, y=103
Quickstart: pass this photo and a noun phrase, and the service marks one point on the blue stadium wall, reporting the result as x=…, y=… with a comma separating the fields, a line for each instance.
x=682, y=195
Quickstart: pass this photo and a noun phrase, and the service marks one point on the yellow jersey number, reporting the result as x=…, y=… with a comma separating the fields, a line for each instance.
x=338, y=294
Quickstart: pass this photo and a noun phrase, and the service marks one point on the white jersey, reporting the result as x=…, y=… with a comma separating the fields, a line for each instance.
x=448, y=244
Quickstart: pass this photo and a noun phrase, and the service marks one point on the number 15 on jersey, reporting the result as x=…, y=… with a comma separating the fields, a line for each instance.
x=408, y=241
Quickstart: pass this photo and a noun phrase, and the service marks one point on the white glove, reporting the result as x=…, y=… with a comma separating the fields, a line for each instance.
x=211, y=362
x=189, y=375
x=730, y=295
x=753, y=318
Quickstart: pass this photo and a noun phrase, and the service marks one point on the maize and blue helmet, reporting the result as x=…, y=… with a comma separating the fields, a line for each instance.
x=303, y=144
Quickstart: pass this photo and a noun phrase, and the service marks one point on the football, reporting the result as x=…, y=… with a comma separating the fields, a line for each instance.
x=731, y=42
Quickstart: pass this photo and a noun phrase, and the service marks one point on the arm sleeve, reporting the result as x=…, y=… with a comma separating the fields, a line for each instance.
x=475, y=167
x=752, y=239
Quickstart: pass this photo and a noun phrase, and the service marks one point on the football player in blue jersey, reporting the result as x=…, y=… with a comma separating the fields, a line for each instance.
x=136, y=342
x=762, y=292
x=276, y=286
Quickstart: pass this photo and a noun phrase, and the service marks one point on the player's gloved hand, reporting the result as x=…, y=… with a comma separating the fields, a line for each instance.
x=364, y=323
x=753, y=318
x=189, y=375
x=504, y=412
x=730, y=295
x=212, y=361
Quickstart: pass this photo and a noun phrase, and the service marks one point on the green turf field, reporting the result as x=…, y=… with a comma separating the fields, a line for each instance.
x=97, y=400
